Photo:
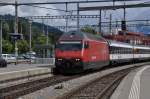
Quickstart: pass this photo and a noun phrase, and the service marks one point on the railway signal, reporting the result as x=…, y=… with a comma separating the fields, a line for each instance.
x=16, y=36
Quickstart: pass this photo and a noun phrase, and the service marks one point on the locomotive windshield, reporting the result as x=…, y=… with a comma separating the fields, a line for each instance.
x=74, y=46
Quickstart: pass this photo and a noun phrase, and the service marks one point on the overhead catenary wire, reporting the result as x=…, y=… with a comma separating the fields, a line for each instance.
x=64, y=2
x=48, y=8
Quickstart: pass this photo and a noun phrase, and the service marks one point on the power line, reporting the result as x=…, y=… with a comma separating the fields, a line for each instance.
x=4, y=3
x=48, y=8
x=44, y=3
x=62, y=17
x=114, y=7
x=113, y=25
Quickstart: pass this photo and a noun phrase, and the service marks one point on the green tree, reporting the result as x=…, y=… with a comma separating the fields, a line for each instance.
x=41, y=39
x=52, y=39
x=7, y=46
x=6, y=30
x=88, y=29
x=23, y=46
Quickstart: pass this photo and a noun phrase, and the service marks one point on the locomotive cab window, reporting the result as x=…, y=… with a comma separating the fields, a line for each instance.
x=69, y=45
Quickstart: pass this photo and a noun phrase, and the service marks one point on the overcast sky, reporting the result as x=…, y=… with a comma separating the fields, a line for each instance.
x=140, y=13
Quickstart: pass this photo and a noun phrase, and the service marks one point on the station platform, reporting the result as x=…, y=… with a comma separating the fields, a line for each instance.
x=136, y=85
x=23, y=70
x=19, y=67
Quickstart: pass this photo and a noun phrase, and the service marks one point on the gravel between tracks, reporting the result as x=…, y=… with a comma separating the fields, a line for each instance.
x=93, y=89
x=67, y=86
x=14, y=91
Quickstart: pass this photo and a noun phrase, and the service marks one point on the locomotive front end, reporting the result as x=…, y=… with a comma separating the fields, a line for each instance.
x=69, y=56
x=69, y=52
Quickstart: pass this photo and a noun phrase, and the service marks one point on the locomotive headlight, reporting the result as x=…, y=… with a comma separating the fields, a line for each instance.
x=77, y=59
x=60, y=59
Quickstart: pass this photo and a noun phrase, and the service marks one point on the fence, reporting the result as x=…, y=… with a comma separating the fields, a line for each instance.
x=50, y=61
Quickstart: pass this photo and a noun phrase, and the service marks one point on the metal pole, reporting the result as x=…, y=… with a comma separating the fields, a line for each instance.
x=113, y=2
x=21, y=27
x=124, y=10
x=117, y=25
x=110, y=23
x=43, y=26
x=124, y=17
x=16, y=28
x=16, y=16
x=78, y=20
x=66, y=17
x=1, y=39
x=30, y=40
x=100, y=21
x=47, y=32
x=47, y=38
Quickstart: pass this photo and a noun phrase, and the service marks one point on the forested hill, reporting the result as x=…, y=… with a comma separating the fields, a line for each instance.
x=38, y=36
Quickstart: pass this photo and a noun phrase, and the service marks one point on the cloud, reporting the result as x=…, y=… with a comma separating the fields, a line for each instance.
x=28, y=10
x=7, y=10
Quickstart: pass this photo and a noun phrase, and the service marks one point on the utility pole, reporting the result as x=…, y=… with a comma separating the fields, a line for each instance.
x=66, y=17
x=30, y=39
x=124, y=13
x=1, y=38
x=100, y=21
x=110, y=24
x=124, y=20
x=16, y=28
x=116, y=25
x=16, y=16
x=43, y=26
x=78, y=20
x=124, y=16
x=30, y=36
x=47, y=38
x=21, y=27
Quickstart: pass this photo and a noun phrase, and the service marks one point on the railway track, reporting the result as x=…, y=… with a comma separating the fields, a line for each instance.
x=15, y=91
x=100, y=88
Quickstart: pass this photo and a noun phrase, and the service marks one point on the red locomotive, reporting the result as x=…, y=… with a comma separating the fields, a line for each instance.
x=79, y=51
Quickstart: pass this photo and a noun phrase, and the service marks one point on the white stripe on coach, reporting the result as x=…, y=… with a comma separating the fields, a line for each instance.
x=127, y=56
x=120, y=56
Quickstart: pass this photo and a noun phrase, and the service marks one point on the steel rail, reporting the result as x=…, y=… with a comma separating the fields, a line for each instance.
x=75, y=93
x=16, y=90
x=113, y=85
